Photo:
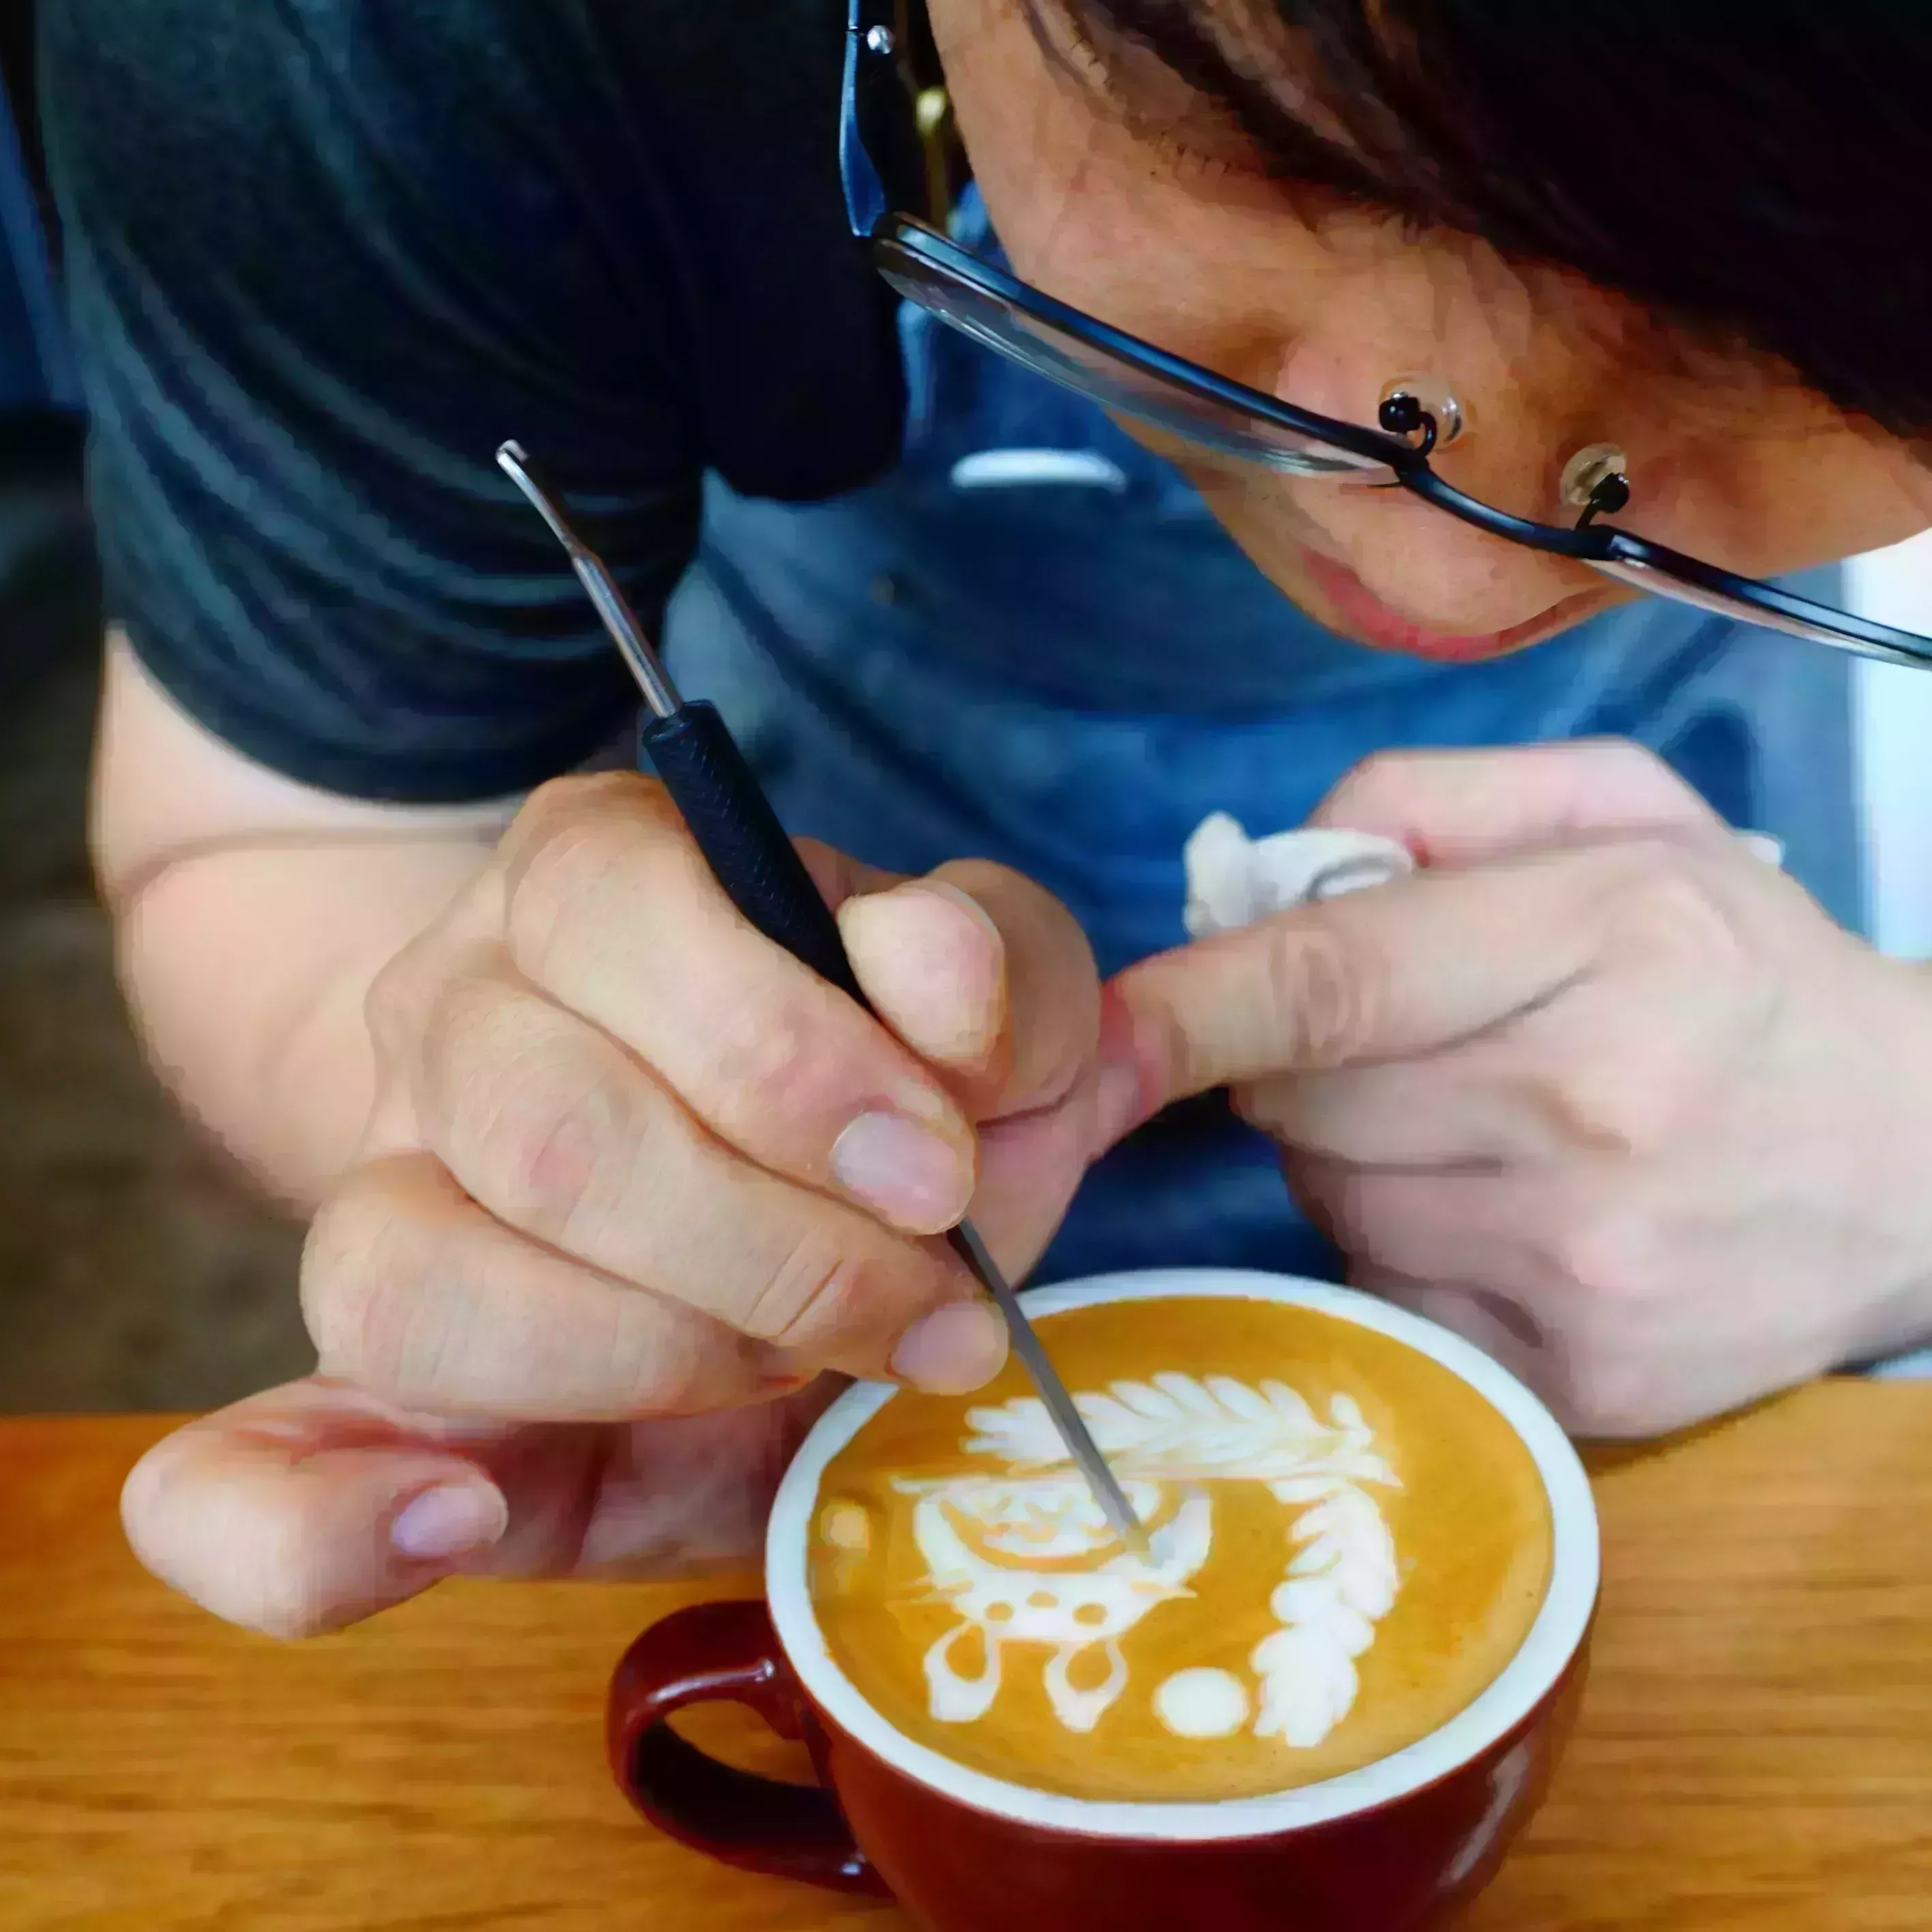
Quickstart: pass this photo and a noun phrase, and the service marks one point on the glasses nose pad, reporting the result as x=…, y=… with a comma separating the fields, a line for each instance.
x=1596, y=481
x=1412, y=405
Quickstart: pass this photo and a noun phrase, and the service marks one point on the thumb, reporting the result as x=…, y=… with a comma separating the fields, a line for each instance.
x=314, y=1505
x=986, y=976
x=307, y=1507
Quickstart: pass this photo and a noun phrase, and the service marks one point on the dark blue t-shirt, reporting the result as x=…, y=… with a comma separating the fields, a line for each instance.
x=323, y=256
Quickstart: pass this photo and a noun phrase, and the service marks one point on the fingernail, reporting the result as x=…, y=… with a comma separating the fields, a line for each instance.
x=452, y=1519
x=953, y=1350
x=917, y=1181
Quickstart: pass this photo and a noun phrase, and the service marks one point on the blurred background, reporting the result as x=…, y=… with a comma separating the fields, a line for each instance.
x=137, y=1270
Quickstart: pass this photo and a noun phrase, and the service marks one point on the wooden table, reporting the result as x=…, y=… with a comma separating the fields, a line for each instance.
x=1756, y=1750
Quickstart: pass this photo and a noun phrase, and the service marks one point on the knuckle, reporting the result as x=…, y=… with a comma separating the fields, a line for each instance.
x=363, y=1264
x=546, y=1147
x=663, y=1365
x=1624, y=1108
x=535, y=1120
x=559, y=804
x=393, y=1005
x=464, y=938
x=557, y=871
x=479, y=1027
x=1614, y=1254
x=821, y=1291
x=572, y=834
x=398, y=1319
x=1666, y=903
x=1324, y=994
x=772, y=1062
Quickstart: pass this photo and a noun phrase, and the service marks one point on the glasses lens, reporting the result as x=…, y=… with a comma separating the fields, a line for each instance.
x=1113, y=379
x=1661, y=573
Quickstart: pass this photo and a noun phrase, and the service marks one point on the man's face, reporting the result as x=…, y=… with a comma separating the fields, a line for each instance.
x=1127, y=217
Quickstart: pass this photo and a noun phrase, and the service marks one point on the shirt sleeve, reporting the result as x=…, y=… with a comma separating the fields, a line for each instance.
x=322, y=256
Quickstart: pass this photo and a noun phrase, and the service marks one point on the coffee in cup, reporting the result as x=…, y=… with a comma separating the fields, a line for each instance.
x=1347, y=1543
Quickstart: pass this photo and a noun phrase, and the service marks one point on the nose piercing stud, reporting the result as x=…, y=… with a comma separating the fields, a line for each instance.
x=1414, y=405
x=1596, y=481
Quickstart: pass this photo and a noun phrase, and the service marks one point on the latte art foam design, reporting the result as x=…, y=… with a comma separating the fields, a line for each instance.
x=1032, y=1561
x=1026, y=1559
x=1303, y=1614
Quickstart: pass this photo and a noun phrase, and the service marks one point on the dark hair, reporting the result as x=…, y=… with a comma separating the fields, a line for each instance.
x=1759, y=170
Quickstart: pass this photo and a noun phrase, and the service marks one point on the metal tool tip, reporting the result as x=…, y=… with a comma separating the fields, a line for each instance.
x=514, y=462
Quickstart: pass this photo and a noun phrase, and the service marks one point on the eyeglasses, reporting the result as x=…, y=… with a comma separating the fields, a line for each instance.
x=886, y=155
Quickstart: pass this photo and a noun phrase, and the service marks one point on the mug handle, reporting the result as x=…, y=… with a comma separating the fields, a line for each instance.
x=714, y=1653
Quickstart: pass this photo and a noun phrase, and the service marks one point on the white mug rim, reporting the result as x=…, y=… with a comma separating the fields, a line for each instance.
x=1552, y=1640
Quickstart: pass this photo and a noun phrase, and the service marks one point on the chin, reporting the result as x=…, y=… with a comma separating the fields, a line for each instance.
x=1336, y=598
x=1416, y=640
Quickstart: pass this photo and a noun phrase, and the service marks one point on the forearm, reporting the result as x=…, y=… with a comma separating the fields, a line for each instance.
x=247, y=968
x=252, y=913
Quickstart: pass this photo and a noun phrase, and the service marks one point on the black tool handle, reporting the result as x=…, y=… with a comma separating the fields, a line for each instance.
x=723, y=803
x=739, y=835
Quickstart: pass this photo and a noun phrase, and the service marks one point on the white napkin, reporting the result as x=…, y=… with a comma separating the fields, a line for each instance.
x=1233, y=880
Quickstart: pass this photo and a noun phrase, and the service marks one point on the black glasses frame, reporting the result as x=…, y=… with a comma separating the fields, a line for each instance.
x=887, y=167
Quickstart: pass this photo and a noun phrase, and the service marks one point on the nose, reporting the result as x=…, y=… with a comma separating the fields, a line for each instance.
x=1423, y=562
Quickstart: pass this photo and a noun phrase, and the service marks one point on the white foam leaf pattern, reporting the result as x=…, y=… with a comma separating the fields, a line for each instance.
x=1150, y=1402
x=1185, y=1392
x=1342, y=1580
x=1308, y=1686
x=1286, y=1401
x=1342, y=1577
x=1179, y=1426
x=1238, y=1397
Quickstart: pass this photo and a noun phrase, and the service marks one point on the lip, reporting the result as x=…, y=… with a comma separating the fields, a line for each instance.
x=1368, y=619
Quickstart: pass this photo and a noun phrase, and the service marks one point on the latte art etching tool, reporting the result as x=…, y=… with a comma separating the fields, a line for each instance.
x=748, y=849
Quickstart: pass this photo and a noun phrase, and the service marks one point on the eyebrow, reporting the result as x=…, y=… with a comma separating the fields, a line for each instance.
x=1299, y=135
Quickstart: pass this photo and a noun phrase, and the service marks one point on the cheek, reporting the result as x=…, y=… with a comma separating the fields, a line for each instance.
x=1775, y=504
x=1221, y=290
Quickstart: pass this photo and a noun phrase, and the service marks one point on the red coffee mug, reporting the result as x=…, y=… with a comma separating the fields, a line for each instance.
x=1395, y=1847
